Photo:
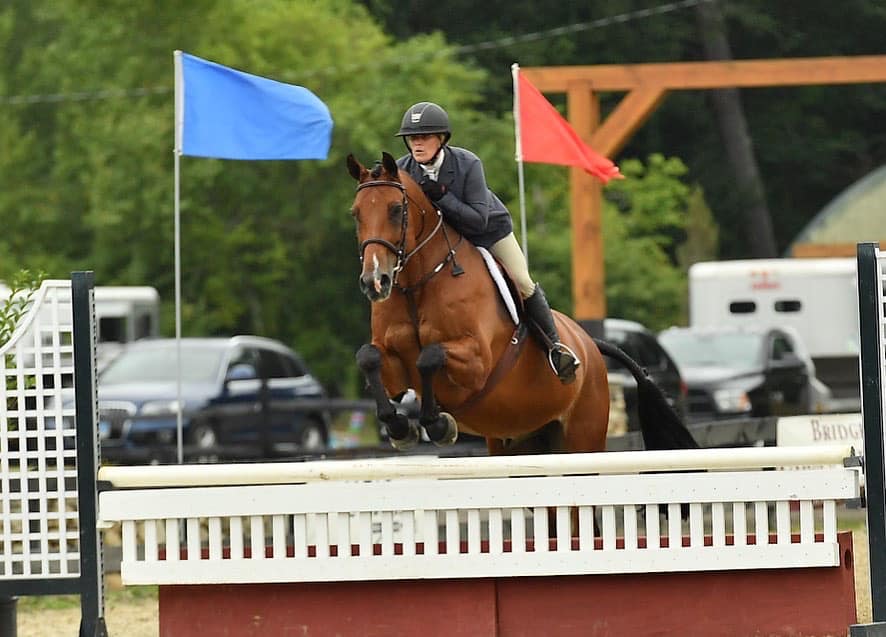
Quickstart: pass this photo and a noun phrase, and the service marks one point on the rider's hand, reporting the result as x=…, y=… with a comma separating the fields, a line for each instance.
x=433, y=189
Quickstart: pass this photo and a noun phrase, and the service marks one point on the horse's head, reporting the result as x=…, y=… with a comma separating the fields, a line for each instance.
x=380, y=212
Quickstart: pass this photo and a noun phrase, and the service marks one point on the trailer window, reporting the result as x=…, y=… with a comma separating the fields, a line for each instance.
x=790, y=305
x=742, y=307
x=112, y=329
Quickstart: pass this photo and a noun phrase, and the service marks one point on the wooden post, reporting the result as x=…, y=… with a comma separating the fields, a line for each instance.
x=588, y=275
x=646, y=86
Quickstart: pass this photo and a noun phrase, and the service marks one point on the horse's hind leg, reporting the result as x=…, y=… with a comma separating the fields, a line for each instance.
x=440, y=426
x=402, y=433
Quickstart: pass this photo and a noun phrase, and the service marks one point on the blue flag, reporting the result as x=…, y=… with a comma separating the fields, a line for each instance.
x=228, y=114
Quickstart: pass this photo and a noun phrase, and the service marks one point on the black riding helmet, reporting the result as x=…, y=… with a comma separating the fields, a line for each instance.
x=425, y=118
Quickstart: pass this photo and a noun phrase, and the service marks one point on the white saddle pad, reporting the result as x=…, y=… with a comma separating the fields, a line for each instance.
x=500, y=284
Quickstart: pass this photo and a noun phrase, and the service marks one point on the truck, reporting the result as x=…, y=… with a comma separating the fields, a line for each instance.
x=816, y=298
x=123, y=313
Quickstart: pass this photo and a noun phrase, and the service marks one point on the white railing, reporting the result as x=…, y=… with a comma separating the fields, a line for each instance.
x=413, y=517
x=39, y=536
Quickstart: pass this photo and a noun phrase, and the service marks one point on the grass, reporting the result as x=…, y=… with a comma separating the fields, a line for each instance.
x=115, y=594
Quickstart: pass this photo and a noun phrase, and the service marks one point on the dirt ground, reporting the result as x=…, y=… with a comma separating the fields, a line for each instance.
x=132, y=611
x=129, y=612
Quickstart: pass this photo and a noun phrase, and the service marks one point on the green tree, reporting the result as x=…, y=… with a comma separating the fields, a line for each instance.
x=644, y=221
x=268, y=247
x=810, y=142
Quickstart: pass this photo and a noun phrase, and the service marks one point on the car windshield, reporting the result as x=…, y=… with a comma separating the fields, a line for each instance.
x=158, y=364
x=713, y=349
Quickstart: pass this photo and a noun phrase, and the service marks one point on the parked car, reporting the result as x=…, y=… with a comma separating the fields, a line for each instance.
x=222, y=397
x=741, y=371
x=641, y=344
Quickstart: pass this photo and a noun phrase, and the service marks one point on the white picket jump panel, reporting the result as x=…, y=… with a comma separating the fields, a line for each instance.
x=39, y=536
x=422, y=527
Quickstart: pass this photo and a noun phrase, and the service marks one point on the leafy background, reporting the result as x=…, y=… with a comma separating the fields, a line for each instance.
x=86, y=127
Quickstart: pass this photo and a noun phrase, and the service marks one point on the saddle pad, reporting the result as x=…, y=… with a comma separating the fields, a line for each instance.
x=500, y=283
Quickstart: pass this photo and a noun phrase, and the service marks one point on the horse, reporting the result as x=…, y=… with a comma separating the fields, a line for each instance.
x=439, y=326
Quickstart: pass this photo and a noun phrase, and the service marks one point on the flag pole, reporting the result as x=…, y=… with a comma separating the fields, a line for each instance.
x=177, y=151
x=515, y=72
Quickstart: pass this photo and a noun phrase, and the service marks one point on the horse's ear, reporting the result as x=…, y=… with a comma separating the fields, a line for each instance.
x=355, y=167
x=390, y=164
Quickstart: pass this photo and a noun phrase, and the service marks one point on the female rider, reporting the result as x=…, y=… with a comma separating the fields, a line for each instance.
x=453, y=179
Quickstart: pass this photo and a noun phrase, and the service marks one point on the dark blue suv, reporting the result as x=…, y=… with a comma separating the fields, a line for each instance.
x=243, y=390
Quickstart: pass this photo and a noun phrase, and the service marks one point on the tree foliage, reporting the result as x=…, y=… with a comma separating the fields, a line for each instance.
x=267, y=247
x=811, y=142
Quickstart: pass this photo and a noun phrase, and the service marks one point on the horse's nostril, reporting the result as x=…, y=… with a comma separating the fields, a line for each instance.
x=385, y=280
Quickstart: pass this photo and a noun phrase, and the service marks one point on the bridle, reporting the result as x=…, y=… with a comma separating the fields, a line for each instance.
x=399, y=249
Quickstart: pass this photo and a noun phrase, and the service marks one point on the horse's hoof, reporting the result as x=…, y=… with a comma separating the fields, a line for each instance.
x=450, y=434
x=412, y=437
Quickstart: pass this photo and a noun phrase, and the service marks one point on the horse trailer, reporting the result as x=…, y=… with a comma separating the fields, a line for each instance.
x=123, y=313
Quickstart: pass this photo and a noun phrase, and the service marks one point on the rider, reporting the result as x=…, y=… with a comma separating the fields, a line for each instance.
x=453, y=179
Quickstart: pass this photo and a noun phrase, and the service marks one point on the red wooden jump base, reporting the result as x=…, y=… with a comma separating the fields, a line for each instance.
x=800, y=602
x=790, y=602
x=390, y=547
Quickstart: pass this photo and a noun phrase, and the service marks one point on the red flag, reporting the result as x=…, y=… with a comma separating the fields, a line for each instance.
x=547, y=138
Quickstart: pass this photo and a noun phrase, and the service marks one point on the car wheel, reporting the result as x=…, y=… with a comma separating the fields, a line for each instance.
x=313, y=437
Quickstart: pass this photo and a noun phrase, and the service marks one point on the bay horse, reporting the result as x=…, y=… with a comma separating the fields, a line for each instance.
x=439, y=326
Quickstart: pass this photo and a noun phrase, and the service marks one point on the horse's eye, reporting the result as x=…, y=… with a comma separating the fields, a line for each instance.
x=354, y=212
x=395, y=212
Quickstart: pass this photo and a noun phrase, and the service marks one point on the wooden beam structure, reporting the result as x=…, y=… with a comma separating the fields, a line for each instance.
x=646, y=86
x=827, y=250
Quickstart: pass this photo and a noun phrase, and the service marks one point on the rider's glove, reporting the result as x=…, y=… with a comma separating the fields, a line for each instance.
x=433, y=189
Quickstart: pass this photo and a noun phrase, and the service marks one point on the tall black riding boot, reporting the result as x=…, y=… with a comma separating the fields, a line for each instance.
x=562, y=359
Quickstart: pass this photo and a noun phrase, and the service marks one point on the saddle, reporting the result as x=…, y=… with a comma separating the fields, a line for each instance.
x=510, y=295
x=505, y=285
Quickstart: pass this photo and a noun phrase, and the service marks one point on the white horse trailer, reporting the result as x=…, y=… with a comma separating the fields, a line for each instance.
x=816, y=297
x=123, y=313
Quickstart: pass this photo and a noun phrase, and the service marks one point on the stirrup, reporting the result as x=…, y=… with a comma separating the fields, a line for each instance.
x=565, y=375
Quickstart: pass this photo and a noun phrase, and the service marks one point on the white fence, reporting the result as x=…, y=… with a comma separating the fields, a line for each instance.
x=413, y=517
x=39, y=534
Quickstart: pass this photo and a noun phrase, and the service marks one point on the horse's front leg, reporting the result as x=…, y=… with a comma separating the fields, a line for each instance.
x=440, y=426
x=402, y=433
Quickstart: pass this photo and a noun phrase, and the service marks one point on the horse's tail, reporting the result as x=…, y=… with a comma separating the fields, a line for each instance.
x=660, y=424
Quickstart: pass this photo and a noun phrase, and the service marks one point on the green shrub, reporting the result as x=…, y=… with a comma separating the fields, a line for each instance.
x=22, y=289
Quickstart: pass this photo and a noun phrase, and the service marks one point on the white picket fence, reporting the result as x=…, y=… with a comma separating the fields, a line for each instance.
x=419, y=517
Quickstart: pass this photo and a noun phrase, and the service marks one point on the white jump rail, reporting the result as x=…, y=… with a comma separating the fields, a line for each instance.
x=398, y=467
x=419, y=518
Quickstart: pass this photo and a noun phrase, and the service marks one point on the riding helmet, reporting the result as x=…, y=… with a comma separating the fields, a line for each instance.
x=425, y=118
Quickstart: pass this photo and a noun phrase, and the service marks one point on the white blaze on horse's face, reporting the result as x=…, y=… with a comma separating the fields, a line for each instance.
x=375, y=274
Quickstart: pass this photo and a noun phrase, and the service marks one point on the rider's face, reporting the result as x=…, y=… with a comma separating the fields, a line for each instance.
x=424, y=147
